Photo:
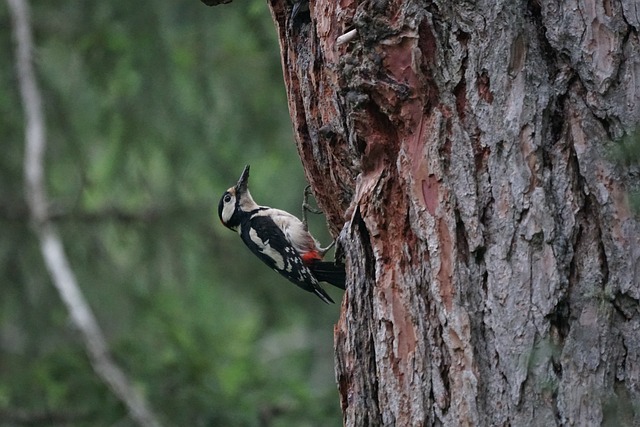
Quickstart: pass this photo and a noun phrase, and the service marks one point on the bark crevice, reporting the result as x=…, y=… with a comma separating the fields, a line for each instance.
x=486, y=127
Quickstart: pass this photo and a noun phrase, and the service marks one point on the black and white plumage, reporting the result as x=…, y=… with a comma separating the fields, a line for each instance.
x=279, y=239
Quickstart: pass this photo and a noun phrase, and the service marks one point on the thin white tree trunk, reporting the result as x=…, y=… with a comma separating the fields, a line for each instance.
x=51, y=246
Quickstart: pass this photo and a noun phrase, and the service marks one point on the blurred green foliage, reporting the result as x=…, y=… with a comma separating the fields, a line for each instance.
x=153, y=108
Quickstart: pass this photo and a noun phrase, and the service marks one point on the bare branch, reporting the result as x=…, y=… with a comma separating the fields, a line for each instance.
x=215, y=2
x=50, y=243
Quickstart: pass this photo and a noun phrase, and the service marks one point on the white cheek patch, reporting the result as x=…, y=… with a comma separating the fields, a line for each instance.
x=228, y=209
x=266, y=249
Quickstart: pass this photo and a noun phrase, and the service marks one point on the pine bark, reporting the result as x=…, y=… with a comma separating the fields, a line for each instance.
x=459, y=150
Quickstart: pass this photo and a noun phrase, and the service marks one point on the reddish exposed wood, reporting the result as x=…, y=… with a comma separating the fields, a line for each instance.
x=457, y=149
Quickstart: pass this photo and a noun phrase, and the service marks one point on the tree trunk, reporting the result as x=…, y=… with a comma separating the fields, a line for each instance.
x=459, y=148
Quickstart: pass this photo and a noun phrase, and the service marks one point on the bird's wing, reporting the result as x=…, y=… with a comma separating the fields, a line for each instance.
x=269, y=243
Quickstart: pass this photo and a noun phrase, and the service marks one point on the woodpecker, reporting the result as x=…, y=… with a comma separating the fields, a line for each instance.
x=279, y=239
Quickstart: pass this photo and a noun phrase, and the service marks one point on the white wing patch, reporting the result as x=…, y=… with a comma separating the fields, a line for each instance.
x=292, y=228
x=266, y=249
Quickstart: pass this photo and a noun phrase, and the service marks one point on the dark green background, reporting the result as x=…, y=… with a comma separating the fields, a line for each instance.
x=153, y=108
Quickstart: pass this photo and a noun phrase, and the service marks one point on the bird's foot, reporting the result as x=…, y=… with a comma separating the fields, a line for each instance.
x=306, y=207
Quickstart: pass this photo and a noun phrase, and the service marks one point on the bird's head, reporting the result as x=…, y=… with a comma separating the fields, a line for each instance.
x=236, y=202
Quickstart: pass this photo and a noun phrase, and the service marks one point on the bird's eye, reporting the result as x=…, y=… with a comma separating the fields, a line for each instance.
x=227, y=198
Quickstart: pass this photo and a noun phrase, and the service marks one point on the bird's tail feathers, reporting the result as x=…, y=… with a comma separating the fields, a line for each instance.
x=329, y=272
x=324, y=296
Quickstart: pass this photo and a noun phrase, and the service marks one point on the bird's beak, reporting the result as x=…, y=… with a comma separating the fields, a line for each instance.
x=241, y=186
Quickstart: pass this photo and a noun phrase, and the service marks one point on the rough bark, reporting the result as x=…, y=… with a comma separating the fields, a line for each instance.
x=459, y=148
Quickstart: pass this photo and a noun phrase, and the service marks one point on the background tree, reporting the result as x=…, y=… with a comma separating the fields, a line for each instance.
x=152, y=113
x=460, y=150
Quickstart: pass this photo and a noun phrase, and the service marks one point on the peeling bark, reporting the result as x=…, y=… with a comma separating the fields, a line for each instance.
x=459, y=150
